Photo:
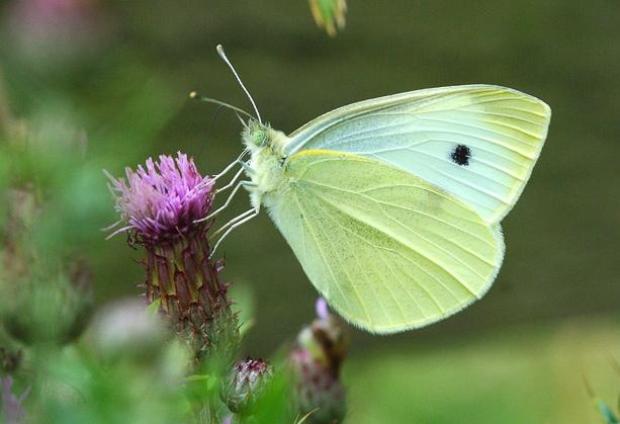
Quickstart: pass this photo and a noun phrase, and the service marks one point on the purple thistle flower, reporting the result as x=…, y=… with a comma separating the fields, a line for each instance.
x=162, y=199
x=163, y=205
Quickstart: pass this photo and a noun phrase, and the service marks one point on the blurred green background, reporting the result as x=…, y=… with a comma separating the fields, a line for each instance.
x=119, y=72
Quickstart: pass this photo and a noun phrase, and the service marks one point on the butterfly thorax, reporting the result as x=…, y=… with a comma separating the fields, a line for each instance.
x=266, y=165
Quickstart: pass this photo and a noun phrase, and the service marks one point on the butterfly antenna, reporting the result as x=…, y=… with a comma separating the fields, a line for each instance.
x=220, y=51
x=242, y=121
x=195, y=95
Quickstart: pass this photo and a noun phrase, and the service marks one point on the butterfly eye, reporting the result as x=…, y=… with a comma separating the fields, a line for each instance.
x=260, y=137
x=256, y=134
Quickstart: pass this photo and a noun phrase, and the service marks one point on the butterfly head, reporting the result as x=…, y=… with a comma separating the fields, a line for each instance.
x=255, y=134
x=258, y=136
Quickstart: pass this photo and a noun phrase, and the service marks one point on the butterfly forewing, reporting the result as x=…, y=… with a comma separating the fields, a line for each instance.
x=387, y=249
x=477, y=142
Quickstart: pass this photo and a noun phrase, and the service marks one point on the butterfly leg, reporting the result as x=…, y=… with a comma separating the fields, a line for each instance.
x=227, y=202
x=252, y=213
x=231, y=165
x=247, y=168
x=233, y=221
x=231, y=183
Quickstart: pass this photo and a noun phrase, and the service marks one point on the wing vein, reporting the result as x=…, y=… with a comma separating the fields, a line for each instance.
x=368, y=242
x=401, y=242
x=327, y=265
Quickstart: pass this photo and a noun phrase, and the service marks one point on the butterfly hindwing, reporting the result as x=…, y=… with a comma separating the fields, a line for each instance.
x=388, y=250
x=477, y=142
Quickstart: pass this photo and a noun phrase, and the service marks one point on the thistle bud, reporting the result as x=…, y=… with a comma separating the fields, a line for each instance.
x=162, y=206
x=46, y=309
x=245, y=384
x=38, y=306
x=329, y=14
x=316, y=361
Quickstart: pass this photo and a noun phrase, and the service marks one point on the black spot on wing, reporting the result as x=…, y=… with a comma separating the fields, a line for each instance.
x=461, y=155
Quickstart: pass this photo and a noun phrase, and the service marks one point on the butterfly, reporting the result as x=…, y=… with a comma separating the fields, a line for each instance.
x=393, y=205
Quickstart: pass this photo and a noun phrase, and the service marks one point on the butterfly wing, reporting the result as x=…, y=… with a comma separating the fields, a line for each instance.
x=477, y=142
x=388, y=250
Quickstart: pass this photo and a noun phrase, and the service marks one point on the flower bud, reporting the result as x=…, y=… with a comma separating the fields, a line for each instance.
x=38, y=305
x=316, y=361
x=245, y=384
x=318, y=392
x=46, y=309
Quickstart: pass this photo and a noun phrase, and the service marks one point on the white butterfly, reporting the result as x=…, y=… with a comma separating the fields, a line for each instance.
x=393, y=205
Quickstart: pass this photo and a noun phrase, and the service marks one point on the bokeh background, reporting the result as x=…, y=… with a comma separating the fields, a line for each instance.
x=118, y=74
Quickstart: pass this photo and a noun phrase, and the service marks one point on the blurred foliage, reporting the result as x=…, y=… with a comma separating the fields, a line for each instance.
x=329, y=14
x=112, y=89
x=80, y=388
x=609, y=416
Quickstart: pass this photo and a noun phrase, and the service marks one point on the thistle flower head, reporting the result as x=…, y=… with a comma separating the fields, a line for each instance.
x=163, y=204
x=162, y=199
